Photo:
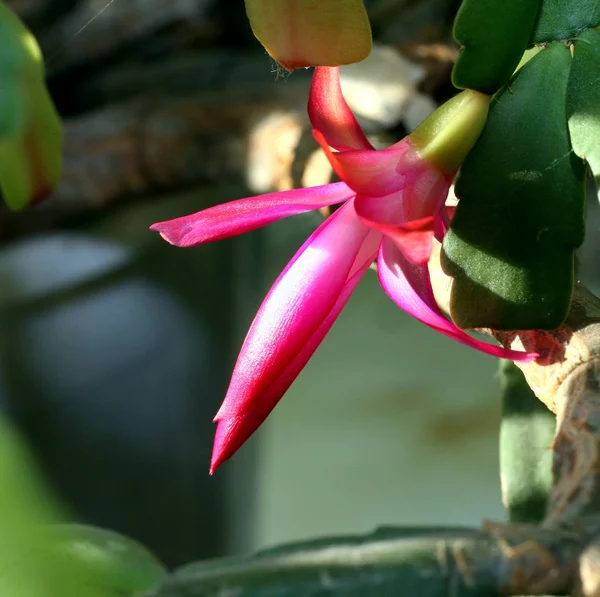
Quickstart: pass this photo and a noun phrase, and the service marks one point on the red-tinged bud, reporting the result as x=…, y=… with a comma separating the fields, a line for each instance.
x=30, y=129
x=303, y=33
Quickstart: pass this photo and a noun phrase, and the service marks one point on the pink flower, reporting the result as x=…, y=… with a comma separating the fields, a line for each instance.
x=392, y=205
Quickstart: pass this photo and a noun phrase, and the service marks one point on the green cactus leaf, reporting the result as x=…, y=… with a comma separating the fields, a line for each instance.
x=520, y=217
x=493, y=35
x=583, y=100
x=562, y=19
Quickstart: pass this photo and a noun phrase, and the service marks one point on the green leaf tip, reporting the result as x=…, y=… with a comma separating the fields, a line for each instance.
x=493, y=35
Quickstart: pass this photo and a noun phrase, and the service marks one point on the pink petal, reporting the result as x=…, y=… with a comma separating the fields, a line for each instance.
x=409, y=286
x=291, y=322
x=233, y=431
x=414, y=239
x=410, y=217
x=374, y=172
x=424, y=196
x=330, y=114
x=243, y=215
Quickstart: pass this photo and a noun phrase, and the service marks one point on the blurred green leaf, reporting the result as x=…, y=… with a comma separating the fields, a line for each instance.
x=113, y=561
x=526, y=436
x=31, y=133
x=494, y=34
x=520, y=216
x=561, y=19
x=583, y=100
x=67, y=560
x=27, y=565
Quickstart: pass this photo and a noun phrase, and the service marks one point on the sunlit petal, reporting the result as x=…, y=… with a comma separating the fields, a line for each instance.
x=244, y=215
x=330, y=114
x=293, y=319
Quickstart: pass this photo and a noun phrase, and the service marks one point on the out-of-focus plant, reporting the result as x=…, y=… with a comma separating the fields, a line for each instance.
x=40, y=557
x=30, y=129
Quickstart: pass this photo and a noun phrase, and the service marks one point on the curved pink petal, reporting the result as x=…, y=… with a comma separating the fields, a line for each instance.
x=374, y=172
x=330, y=114
x=287, y=323
x=409, y=286
x=424, y=196
x=232, y=432
x=414, y=239
x=243, y=215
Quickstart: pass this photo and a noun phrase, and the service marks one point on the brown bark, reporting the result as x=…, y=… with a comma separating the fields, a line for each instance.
x=566, y=377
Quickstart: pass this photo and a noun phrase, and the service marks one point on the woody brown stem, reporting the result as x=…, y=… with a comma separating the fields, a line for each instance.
x=566, y=378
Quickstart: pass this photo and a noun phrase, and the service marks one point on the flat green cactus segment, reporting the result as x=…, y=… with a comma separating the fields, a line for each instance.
x=493, y=35
x=526, y=436
x=520, y=217
x=562, y=19
x=411, y=561
x=583, y=100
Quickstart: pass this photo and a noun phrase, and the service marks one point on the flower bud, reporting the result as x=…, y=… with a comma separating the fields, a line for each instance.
x=303, y=33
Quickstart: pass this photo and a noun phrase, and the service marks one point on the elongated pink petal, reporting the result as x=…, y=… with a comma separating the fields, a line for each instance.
x=232, y=432
x=373, y=172
x=330, y=114
x=296, y=307
x=409, y=286
x=243, y=215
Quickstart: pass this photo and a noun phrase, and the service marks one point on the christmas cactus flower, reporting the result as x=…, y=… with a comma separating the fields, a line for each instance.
x=391, y=206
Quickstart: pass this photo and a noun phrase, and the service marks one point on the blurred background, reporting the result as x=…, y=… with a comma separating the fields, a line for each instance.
x=116, y=348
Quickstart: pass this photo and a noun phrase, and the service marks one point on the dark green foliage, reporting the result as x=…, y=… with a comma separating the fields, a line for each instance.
x=526, y=436
x=520, y=217
x=561, y=19
x=494, y=34
x=389, y=563
x=583, y=100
